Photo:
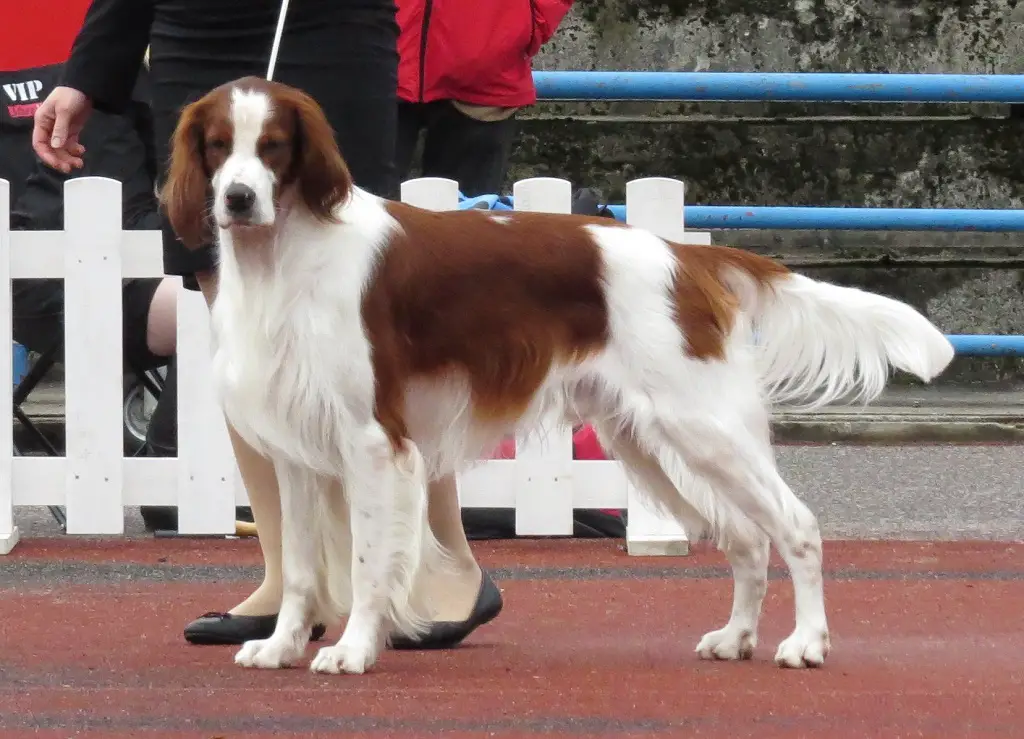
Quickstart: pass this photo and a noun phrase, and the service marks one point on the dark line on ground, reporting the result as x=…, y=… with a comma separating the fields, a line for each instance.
x=18, y=574
x=574, y=726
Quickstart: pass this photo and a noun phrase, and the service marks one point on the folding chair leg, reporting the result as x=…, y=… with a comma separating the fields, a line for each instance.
x=58, y=515
x=153, y=382
x=39, y=436
x=56, y=511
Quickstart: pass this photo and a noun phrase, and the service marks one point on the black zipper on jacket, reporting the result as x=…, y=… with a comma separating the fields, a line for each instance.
x=428, y=6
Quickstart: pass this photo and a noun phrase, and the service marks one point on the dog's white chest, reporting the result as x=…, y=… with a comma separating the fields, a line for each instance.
x=248, y=374
x=290, y=375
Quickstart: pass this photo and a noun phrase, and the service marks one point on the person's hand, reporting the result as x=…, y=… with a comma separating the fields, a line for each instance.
x=58, y=121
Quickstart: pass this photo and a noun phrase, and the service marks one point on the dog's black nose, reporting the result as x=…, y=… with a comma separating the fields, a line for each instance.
x=239, y=199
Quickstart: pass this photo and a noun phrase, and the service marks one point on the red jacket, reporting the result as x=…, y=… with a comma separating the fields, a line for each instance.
x=474, y=51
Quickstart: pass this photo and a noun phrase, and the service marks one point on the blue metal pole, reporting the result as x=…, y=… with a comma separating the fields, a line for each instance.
x=981, y=345
x=807, y=87
x=847, y=219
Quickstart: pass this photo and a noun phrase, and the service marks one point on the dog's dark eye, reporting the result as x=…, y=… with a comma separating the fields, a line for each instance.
x=271, y=146
x=217, y=144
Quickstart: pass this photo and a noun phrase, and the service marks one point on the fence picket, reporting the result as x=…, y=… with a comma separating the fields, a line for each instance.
x=544, y=460
x=209, y=483
x=432, y=193
x=94, y=386
x=655, y=204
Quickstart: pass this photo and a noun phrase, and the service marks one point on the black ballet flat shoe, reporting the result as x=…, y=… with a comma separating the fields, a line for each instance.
x=448, y=634
x=227, y=628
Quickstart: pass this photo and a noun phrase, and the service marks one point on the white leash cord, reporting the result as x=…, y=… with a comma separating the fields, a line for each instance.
x=277, y=40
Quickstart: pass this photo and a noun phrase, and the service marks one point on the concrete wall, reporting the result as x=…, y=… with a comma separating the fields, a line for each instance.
x=802, y=154
x=976, y=36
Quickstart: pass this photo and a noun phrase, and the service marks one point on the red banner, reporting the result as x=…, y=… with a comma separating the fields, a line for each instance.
x=35, y=33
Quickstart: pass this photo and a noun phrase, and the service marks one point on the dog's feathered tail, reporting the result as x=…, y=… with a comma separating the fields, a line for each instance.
x=819, y=343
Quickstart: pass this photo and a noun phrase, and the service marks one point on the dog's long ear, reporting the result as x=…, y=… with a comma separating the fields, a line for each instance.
x=323, y=177
x=185, y=194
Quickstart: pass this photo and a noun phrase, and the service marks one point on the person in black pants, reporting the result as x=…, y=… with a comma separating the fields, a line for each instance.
x=468, y=144
x=344, y=54
x=464, y=73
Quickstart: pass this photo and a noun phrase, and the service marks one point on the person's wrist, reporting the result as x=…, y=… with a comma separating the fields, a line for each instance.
x=76, y=92
x=72, y=92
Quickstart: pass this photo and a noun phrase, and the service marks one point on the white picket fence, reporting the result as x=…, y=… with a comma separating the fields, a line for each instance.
x=95, y=482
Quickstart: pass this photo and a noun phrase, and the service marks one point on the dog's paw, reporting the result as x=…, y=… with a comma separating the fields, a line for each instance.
x=729, y=643
x=269, y=654
x=340, y=658
x=803, y=648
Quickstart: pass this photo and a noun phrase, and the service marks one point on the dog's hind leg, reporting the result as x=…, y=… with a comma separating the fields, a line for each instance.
x=300, y=489
x=386, y=492
x=648, y=477
x=723, y=441
x=743, y=543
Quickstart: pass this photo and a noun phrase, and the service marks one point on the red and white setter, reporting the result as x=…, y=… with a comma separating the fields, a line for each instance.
x=366, y=346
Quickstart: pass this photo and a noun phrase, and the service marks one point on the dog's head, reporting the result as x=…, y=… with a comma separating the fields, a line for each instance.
x=242, y=150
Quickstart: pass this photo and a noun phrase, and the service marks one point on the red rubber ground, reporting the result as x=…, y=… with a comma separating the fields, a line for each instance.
x=928, y=641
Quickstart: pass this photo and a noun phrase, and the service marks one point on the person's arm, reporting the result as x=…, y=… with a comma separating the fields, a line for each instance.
x=547, y=14
x=108, y=51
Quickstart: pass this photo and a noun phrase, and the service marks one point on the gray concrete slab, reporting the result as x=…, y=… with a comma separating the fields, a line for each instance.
x=910, y=492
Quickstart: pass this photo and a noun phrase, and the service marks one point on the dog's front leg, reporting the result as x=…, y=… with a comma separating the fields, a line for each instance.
x=370, y=479
x=287, y=644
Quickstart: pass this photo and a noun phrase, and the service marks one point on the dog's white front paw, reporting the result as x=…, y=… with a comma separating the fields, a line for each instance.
x=729, y=643
x=803, y=648
x=341, y=658
x=269, y=654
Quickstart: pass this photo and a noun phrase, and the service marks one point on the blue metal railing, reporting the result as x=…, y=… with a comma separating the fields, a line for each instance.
x=781, y=86
x=846, y=219
x=814, y=218
x=822, y=87
x=980, y=345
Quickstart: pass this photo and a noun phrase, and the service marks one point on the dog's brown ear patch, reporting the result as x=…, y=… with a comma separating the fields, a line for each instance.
x=186, y=192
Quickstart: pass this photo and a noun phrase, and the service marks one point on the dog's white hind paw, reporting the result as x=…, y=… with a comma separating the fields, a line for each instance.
x=340, y=658
x=268, y=654
x=803, y=648
x=729, y=643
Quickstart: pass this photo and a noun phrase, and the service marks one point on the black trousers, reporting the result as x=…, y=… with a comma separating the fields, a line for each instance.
x=455, y=146
x=347, y=60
